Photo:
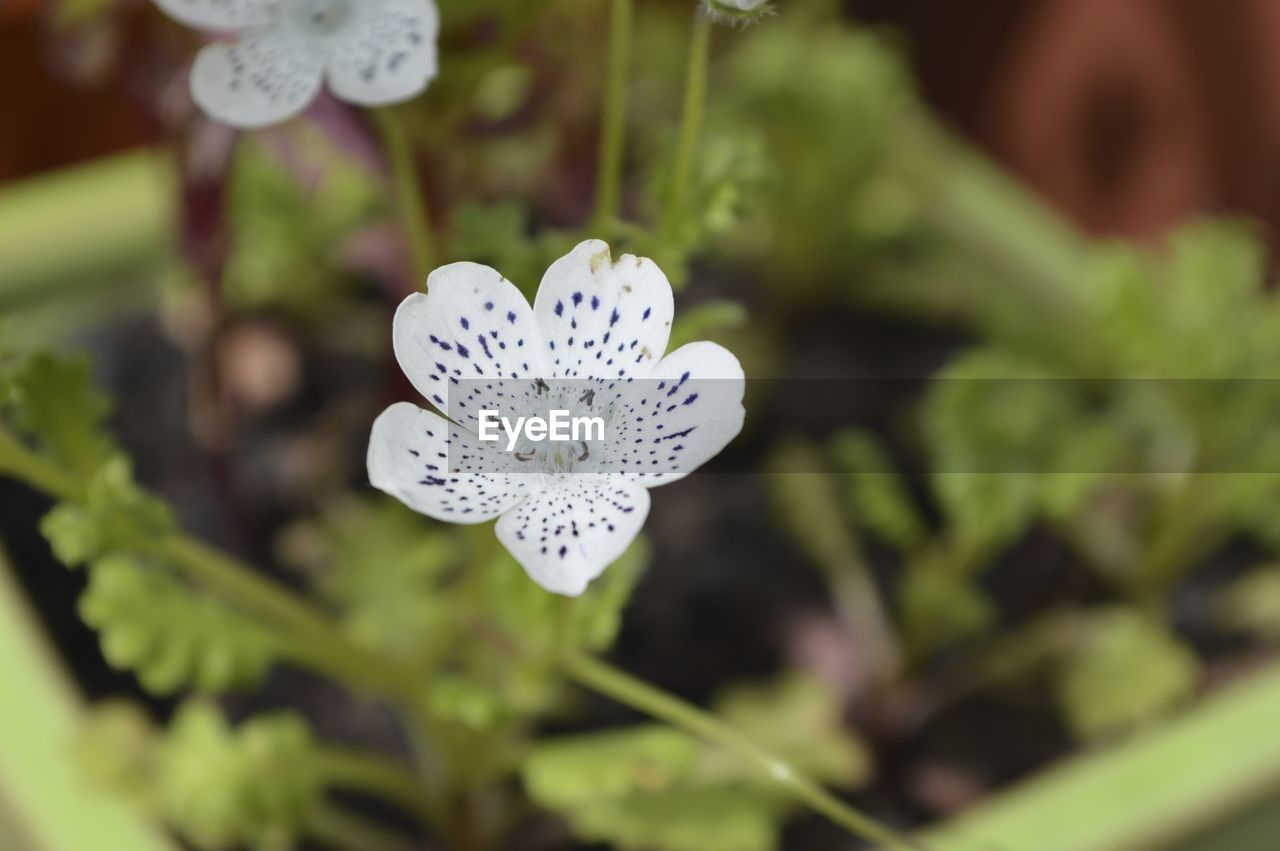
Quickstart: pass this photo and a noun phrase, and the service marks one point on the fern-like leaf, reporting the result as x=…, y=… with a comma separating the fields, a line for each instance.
x=170, y=635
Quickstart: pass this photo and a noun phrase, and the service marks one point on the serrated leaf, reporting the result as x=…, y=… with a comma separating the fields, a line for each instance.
x=116, y=514
x=1009, y=439
x=171, y=636
x=1126, y=670
x=58, y=406
x=382, y=566
x=221, y=787
x=72, y=533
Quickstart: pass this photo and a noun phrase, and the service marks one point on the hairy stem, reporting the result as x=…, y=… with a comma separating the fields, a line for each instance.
x=613, y=117
x=695, y=100
x=629, y=691
x=411, y=205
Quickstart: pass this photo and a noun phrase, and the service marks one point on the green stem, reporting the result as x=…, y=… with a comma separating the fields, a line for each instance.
x=695, y=101
x=19, y=462
x=314, y=638
x=376, y=775
x=411, y=204
x=607, y=680
x=613, y=116
x=344, y=831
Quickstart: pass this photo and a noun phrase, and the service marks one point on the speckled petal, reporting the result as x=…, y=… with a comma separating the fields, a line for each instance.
x=680, y=417
x=438, y=469
x=220, y=14
x=388, y=55
x=565, y=536
x=471, y=324
x=602, y=319
x=262, y=78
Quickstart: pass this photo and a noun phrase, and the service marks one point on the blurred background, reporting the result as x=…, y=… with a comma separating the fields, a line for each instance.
x=994, y=556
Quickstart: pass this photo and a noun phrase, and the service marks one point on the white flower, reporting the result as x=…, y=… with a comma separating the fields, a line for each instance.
x=737, y=12
x=372, y=52
x=593, y=342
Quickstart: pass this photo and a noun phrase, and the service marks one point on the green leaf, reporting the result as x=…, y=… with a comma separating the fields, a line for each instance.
x=116, y=515
x=939, y=608
x=652, y=788
x=221, y=787
x=57, y=405
x=698, y=819
x=383, y=567
x=1126, y=670
x=521, y=614
x=875, y=492
x=1251, y=604
x=639, y=789
x=1011, y=439
x=289, y=216
x=113, y=751
x=72, y=534
x=169, y=634
x=799, y=719
x=573, y=772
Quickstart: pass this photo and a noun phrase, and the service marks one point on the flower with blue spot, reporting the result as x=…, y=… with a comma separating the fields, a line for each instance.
x=594, y=345
x=371, y=52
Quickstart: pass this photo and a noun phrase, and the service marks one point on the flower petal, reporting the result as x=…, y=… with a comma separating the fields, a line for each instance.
x=680, y=417
x=471, y=324
x=603, y=319
x=262, y=78
x=389, y=55
x=423, y=461
x=219, y=14
x=566, y=535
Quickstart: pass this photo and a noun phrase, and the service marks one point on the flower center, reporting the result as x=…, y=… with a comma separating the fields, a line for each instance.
x=557, y=457
x=319, y=17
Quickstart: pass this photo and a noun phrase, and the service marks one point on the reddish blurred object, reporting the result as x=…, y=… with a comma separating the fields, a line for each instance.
x=50, y=121
x=12, y=10
x=1130, y=116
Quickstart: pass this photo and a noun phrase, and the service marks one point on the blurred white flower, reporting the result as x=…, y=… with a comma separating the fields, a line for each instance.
x=372, y=52
x=593, y=344
x=737, y=12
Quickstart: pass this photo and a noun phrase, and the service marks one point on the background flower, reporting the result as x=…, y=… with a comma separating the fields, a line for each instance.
x=372, y=52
